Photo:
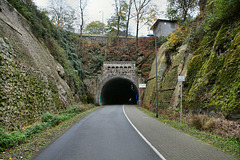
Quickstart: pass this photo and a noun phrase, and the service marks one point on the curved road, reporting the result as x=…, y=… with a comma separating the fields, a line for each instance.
x=106, y=134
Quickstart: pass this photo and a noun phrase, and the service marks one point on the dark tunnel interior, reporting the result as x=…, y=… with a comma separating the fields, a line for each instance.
x=119, y=91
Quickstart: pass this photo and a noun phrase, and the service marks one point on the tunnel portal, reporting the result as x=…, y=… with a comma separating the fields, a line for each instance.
x=119, y=91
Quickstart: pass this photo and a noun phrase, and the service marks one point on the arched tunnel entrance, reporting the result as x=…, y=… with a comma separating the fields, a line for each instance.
x=119, y=91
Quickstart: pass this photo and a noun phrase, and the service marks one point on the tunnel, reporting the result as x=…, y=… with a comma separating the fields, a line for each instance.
x=119, y=91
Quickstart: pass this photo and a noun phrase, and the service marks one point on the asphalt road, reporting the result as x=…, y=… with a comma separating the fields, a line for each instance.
x=106, y=134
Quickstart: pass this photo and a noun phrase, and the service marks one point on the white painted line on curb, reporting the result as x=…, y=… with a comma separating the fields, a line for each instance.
x=155, y=150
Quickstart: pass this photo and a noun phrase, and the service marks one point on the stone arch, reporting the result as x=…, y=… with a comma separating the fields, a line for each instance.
x=118, y=90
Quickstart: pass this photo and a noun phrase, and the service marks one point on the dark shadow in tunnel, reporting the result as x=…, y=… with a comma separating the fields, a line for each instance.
x=119, y=91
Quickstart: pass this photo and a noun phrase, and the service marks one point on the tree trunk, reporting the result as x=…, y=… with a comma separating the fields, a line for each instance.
x=81, y=26
x=139, y=5
x=118, y=31
x=128, y=19
x=137, y=33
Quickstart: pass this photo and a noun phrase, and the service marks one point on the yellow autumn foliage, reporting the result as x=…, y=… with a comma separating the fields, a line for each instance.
x=177, y=37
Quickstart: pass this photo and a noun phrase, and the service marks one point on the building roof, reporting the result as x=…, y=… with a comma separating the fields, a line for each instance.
x=162, y=20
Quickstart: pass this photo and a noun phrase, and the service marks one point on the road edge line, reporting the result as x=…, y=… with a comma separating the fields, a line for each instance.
x=145, y=139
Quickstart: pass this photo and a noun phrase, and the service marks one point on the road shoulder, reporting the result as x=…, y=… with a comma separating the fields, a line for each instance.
x=172, y=143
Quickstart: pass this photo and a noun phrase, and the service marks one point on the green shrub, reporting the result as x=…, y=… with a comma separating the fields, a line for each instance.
x=64, y=117
x=75, y=109
x=8, y=140
x=37, y=128
x=50, y=119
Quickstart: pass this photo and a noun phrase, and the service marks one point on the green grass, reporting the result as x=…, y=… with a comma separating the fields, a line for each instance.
x=40, y=135
x=225, y=144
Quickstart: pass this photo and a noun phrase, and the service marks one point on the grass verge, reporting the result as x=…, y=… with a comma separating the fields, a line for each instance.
x=32, y=145
x=230, y=145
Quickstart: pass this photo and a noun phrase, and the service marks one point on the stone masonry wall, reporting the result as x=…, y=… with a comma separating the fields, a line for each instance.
x=31, y=81
x=119, y=68
x=25, y=93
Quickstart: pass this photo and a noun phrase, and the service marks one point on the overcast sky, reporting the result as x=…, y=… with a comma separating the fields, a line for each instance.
x=96, y=9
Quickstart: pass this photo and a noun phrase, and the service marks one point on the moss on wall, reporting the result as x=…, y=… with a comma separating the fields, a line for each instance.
x=150, y=92
x=213, y=77
x=170, y=78
x=170, y=65
x=25, y=93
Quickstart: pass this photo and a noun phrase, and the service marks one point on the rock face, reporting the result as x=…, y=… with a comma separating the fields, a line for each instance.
x=212, y=73
x=169, y=66
x=31, y=80
x=162, y=64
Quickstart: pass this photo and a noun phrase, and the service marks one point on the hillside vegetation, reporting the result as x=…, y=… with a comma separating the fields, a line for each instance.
x=43, y=66
x=213, y=78
x=206, y=51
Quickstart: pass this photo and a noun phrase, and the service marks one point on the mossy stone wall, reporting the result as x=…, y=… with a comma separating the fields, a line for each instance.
x=25, y=93
x=170, y=66
x=170, y=80
x=150, y=92
x=213, y=76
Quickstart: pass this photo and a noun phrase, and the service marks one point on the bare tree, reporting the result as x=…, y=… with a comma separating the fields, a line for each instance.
x=128, y=17
x=120, y=11
x=61, y=14
x=82, y=6
x=56, y=12
x=140, y=6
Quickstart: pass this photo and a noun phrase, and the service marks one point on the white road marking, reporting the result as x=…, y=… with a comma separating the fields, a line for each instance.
x=155, y=150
